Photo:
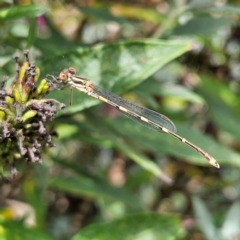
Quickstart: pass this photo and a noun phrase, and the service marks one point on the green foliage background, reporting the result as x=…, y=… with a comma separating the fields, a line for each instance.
x=107, y=177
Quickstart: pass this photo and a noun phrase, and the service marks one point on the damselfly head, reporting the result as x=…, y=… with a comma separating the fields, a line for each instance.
x=63, y=75
x=66, y=74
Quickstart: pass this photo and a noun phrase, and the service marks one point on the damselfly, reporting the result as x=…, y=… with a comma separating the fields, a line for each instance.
x=137, y=113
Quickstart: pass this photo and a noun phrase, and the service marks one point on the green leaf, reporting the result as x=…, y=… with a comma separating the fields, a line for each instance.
x=93, y=188
x=138, y=227
x=225, y=9
x=33, y=189
x=143, y=161
x=204, y=219
x=4, y=59
x=15, y=230
x=32, y=33
x=182, y=93
x=231, y=224
x=202, y=26
x=29, y=11
x=148, y=89
x=117, y=67
x=200, y=5
x=223, y=104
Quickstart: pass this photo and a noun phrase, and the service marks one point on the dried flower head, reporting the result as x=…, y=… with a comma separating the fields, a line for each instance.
x=24, y=113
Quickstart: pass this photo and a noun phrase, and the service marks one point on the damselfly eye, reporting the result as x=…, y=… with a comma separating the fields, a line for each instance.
x=72, y=70
x=63, y=76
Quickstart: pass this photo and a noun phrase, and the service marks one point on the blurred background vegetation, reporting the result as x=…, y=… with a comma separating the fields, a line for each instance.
x=107, y=177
